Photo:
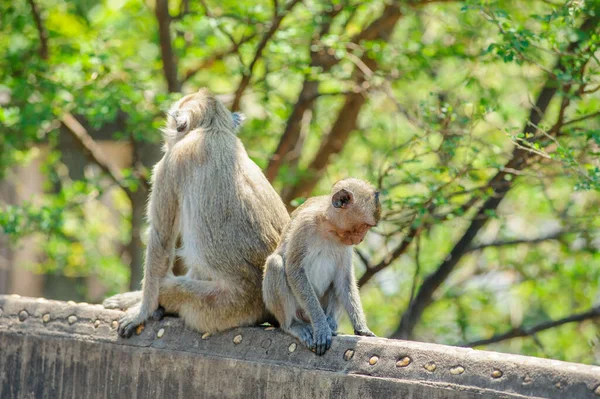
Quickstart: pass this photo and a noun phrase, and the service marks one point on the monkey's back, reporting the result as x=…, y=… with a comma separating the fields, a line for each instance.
x=232, y=218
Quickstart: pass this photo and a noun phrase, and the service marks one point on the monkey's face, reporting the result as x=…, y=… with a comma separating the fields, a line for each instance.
x=355, y=209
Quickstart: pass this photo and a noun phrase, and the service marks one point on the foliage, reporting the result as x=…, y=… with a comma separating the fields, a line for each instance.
x=477, y=119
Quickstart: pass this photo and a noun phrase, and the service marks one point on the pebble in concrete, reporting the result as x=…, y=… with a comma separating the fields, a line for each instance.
x=269, y=328
x=237, y=339
x=405, y=361
x=373, y=360
x=72, y=319
x=160, y=333
x=597, y=390
x=139, y=329
x=97, y=324
x=527, y=379
x=457, y=370
x=348, y=354
x=23, y=315
x=205, y=336
x=71, y=303
x=114, y=324
x=266, y=343
x=292, y=347
x=430, y=367
x=46, y=318
x=497, y=373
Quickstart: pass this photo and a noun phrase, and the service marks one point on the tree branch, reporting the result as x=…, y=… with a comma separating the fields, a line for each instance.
x=275, y=23
x=190, y=73
x=530, y=331
x=392, y=256
x=42, y=32
x=305, y=103
x=496, y=244
x=168, y=57
x=95, y=153
x=380, y=28
x=500, y=187
x=346, y=121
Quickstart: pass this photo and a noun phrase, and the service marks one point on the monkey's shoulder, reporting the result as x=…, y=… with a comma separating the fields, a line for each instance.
x=310, y=206
x=199, y=147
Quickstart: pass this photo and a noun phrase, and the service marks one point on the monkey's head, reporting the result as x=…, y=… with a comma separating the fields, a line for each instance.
x=199, y=110
x=354, y=209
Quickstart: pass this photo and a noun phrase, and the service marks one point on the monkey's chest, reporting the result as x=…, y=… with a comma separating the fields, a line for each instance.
x=321, y=266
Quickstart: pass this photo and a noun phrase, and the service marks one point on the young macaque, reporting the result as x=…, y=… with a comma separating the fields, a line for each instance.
x=310, y=274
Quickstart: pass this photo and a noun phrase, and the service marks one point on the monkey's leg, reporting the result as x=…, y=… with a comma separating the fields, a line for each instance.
x=209, y=306
x=123, y=301
x=277, y=295
x=332, y=308
x=302, y=331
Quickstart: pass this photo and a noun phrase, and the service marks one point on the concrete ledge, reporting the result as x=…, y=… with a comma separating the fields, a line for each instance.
x=52, y=349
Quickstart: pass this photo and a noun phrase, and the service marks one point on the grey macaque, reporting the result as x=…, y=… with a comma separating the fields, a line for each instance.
x=310, y=277
x=207, y=190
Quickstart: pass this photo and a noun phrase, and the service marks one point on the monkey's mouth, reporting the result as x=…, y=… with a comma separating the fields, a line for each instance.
x=353, y=238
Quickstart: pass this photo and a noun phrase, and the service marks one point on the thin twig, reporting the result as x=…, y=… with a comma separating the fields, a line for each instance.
x=529, y=331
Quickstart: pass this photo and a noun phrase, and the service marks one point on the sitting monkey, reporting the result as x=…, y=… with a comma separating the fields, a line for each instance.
x=310, y=273
x=207, y=190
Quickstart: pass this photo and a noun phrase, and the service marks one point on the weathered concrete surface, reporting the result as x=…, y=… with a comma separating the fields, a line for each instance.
x=51, y=349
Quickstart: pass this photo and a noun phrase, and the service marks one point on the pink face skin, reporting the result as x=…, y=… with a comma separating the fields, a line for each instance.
x=354, y=236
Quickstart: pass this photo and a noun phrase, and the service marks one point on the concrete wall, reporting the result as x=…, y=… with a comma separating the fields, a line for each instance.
x=51, y=349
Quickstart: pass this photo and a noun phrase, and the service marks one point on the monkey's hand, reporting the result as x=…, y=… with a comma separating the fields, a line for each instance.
x=332, y=324
x=322, y=339
x=365, y=332
x=131, y=320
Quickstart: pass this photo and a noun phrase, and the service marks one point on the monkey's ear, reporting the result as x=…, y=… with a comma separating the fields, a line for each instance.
x=238, y=119
x=181, y=121
x=342, y=198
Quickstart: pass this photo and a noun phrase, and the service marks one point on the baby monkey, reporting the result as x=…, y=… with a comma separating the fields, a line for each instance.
x=310, y=274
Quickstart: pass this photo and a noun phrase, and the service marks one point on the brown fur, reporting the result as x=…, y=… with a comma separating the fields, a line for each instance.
x=206, y=189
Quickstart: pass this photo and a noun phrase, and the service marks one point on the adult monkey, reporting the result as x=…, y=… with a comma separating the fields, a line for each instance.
x=209, y=191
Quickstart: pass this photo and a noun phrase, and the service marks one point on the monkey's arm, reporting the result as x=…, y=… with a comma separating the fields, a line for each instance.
x=306, y=296
x=347, y=293
x=163, y=213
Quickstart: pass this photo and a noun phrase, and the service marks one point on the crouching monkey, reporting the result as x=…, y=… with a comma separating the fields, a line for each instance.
x=310, y=275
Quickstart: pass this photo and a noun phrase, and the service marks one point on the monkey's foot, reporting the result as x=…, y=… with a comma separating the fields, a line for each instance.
x=123, y=301
x=332, y=324
x=322, y=339
x=159, y=313
x=365, y=332
x=304, y=332
x=130, y=321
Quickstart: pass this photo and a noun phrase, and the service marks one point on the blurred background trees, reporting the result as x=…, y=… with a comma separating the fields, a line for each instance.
x=479, y=120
